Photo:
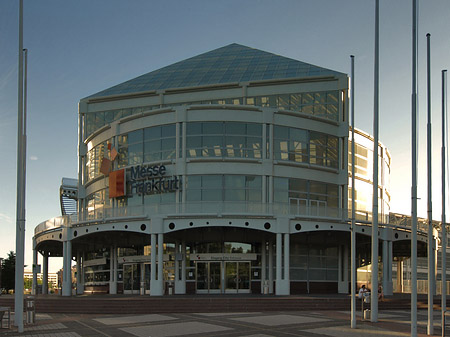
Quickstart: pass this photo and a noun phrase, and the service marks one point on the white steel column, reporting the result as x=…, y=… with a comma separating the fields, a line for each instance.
x=400, y=276
x=142, y=279
x=35, y=271
x=160, y=263
x=45, y=273
x=67, y=268
x=270, y=267
x=183, y=267
x=388, y=290
x=263, y=266
x=153, y=269
x=278, y=264
x=286, y=280
x=177, y=267
x=385, y=265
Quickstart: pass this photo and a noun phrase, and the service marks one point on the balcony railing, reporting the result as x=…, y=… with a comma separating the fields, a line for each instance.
x=316, y=210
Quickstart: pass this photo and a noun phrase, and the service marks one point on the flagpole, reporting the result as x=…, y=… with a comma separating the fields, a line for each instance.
x=414, y=105
x=353, y=233
x=444, y=222
x=374, y=290
x=429, y=201
x=20, y=215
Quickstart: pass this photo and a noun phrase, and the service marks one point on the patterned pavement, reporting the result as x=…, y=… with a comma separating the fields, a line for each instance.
x=246, y=324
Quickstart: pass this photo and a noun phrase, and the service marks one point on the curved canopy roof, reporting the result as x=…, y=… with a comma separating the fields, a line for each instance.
x=229, y=64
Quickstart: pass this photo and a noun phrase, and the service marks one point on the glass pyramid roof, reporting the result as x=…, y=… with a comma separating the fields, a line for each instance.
x=232, y=63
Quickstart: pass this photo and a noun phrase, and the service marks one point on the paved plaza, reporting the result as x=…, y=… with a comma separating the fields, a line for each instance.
x=230, y=324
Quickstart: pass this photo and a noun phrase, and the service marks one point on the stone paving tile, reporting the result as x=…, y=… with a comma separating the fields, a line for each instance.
x=218, y=314
x=175, y=329
x=58, y=334
x=275, y=320
x=134, y=319
x=366, y=331
x=54, y=326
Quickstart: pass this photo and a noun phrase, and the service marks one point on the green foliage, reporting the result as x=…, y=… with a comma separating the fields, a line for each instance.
x=8, y=271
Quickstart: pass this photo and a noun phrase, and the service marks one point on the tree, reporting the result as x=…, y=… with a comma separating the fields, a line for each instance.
x=9, y=271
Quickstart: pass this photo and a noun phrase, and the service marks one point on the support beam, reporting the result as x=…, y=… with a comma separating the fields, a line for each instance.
x=160, y=263
x=183, y=267
x=271, y=267
x=278, y=264
x=153, y=252
x=67, y=268
x=45, y=274
x=35, y=272
x=263, y=267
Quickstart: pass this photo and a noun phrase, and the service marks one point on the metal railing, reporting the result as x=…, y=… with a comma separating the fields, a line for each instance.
x=296, y=208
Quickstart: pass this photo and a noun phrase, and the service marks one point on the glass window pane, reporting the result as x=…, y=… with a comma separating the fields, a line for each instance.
x=235, y=128
x=253, y=182
x=152, y=133
x=168, y=144
x=254, y=195
x=212, y=195
x=168, y=130
x=193, y=195
x=280, y=132
x=234, y=195
x=152, y=146
x=212, y=128
x=194, y=182
x=135, y=154
x=211, y=141
x=109, y=117
x=232, y=181
x=254, y=129
x=135, y=137
x=193, y=142
x=194, y=128
x=212, y=181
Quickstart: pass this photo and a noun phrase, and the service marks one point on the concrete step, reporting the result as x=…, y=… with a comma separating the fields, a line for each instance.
x=110, y=304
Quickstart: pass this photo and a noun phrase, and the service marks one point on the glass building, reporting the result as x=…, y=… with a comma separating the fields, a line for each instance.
x=224, y=173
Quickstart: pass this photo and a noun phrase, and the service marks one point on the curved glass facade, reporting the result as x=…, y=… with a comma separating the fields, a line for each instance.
x=364, y=177
x=324, y=104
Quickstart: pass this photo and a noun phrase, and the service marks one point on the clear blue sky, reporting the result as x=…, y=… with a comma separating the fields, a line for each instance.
x=77, y=48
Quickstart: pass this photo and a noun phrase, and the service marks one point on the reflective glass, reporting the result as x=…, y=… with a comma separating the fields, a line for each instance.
x=235, y=128
x=212, y=181
x=194, y=128
x=212, y=128
x=152, y=133
x=232, y=181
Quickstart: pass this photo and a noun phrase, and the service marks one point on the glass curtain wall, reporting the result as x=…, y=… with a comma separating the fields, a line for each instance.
x=324, y=104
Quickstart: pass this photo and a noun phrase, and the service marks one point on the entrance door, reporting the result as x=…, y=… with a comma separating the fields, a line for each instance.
x=131, y=278
x=237, y=277
x=208, y=277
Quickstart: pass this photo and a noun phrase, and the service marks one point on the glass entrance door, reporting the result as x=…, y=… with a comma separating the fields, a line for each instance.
x=208, y=277
x=131, y=278
x=237, y=277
